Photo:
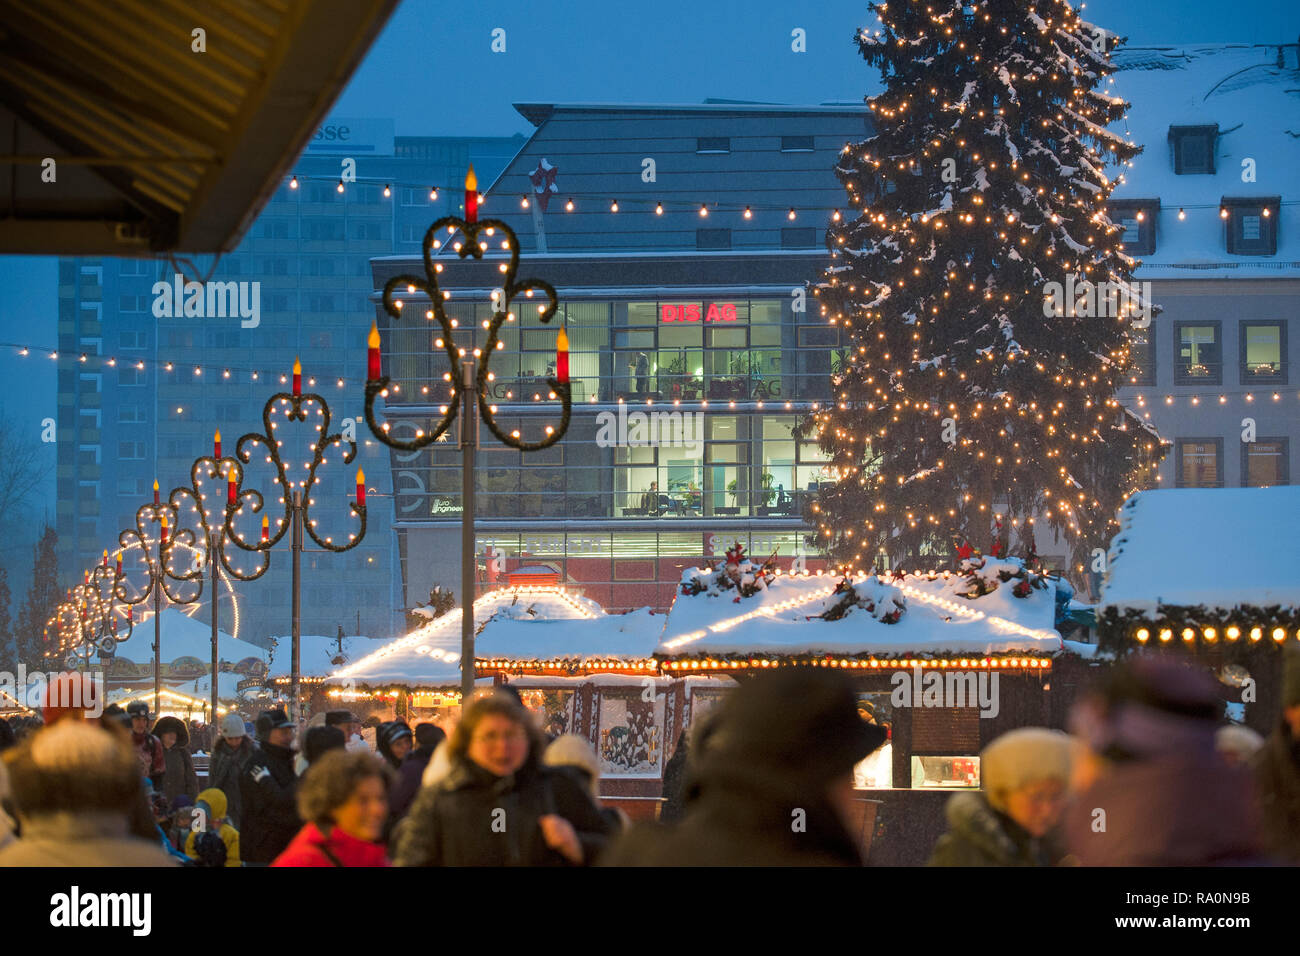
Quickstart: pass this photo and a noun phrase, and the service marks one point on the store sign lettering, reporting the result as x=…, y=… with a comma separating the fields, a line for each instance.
x=690, y=312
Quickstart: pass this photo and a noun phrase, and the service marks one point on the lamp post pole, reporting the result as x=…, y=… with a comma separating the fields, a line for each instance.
x=468, y=443
x=295, y=666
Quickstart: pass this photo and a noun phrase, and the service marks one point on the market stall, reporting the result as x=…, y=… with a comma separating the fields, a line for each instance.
x=1213, y=573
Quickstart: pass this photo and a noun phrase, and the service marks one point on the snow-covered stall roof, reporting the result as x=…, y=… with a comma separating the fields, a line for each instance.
x=184, y=636
x=915, y=614
x=514, y=625
x=1217, y=548
x=1256, y=104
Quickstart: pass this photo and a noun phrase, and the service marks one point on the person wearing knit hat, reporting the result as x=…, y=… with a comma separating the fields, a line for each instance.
x=1277, y=768
x=211, y=811
x=1024, y=774
x=394, y=741
x=1237, y=743
x=230, y=756
x=75, y=786
x=74, y=695
x=1168, y=797
x=320, y=740
x=574, y=754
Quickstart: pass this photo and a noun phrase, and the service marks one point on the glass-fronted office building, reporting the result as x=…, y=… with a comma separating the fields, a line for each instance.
x=694, y=352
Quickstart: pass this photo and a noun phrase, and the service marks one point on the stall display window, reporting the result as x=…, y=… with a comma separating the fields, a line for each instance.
x=631, y=734
x=876, y=771
x=552, y=707
x=945, y=773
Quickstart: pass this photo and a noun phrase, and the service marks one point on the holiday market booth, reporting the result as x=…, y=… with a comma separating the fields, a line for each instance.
x=1211, y=573
x=577, y=668
x=946, y=660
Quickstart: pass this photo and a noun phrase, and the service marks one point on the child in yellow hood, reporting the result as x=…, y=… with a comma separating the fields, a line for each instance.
x=212, y=802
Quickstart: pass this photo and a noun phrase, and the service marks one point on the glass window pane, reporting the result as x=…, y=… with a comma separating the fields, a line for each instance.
x=1264, y=349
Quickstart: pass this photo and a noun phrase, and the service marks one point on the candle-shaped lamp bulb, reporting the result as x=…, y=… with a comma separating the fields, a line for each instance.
x=373, y=371
x=471, y=195
x=562, y=357
x=361, y=488
x=216, y=443
x=297, y=377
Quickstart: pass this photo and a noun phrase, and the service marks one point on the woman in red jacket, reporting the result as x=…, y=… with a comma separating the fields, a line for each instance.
x=344, y=799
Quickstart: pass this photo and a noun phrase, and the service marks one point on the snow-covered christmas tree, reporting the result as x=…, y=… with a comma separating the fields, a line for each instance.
x=973, y=388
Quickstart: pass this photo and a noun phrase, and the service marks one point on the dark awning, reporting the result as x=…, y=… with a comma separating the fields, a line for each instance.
x=159, y=147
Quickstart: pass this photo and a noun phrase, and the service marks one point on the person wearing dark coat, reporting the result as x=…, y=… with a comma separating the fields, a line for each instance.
x=230, y=756
x=318, y=741
x=1150, y=763
x=268, y=791
x=394, y=740
x=1010, y=822
x=148, y=748
x=1277, y=769
x=427, y=738
x=179, y=778
x=498, y=806
x=774, y=784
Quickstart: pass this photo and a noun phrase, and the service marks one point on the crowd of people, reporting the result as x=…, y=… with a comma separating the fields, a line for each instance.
x=1148, y=774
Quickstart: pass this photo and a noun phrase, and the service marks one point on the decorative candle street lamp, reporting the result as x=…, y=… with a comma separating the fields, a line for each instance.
x=206, y=475
x=156, y=549
x=295, y=496
x=468, y=375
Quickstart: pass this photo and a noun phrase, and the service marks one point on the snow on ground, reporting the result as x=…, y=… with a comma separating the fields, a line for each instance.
x=1220, y=547
x=937, y=620
x=1256, y=105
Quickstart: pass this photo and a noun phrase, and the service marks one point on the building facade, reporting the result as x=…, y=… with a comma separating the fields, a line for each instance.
x=1212, y=208
x=680, y=240
x=152, y=388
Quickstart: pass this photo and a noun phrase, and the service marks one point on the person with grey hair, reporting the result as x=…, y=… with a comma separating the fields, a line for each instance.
x=75, y=787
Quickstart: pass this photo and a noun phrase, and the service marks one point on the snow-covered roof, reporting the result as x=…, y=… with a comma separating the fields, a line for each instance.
x=1256, y=105
x=781, y=619
x=513, y=624
x=184, y=636
x=1217, y=547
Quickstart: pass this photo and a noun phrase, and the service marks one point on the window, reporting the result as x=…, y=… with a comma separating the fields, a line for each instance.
x=1193, y=149
x=277, y=302
x=413, y=197
x=318, y=266
x=1141, y=356
x=226, y=411
x=133, y=303
x=1250, y=226
x=712, y=238
x=1263, y=352
x=368, y=229
x=796, y=144
x=179, y=448
x=130, y=451
x=321, y=227
x=713, y=144
x=803, y=238
x=1138, y=219
x=130, y=414
x=134, y=267
x=321, y=303
x=1200, y=462
x=275, y=228
x=1264, y=462
x=320, y=192
x=132, y=486
x=180, y=339
x=411, y=232
x=276, y=267
x=130, y=376
x=320, y=340
x=133, y=340
x=1199, y=358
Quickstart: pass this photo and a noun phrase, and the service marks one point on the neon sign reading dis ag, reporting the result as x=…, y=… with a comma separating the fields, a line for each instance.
x=690, y=312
